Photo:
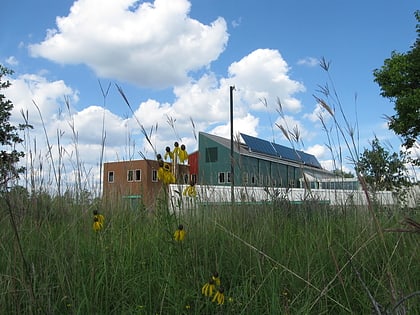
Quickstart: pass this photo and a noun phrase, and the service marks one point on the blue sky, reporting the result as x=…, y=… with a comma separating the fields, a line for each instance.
x=175, y=60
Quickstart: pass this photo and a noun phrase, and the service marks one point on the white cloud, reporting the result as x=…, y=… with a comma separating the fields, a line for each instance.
x=264, y=74
x=247, y=125
x=308, y=61
x=152, y=43
x=330, y=165
x=293, y=127
x=319, y=151
x=149, y=44
x=237, y=22
x=49, y=96
x=318, y=113
x=12, y=61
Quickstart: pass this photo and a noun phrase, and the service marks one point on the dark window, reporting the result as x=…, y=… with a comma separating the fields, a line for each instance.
x=211, y=154
x=221, y=177
x=111, y=177
x=154, y=176
x=194, y=178
x=130, y=176
x=138, y=175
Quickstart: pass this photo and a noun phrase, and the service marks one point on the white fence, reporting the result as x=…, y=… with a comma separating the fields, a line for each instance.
x=222, y=194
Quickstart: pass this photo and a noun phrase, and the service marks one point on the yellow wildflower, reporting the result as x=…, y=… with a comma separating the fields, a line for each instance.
x=164, y=173
x=175, y=152
x=216, y=278
x=179, y=234
x=190, y=190
x=97, y=225
x=208, y=288
x=168, y=153
x=182, y=153
x=100, y=217
x=219, y=297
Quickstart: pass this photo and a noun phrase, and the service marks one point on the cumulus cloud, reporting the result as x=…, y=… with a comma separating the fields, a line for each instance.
x=138, y=42
x=247, y=125
x=12, y=61
x=318, y=113
x=320, y=151
x=30, y=89
x=293, y=127
x=308, y=61
x=149, y=44
x=263, y=74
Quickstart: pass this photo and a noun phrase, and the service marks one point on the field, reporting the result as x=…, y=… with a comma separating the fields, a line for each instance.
x=271, y=259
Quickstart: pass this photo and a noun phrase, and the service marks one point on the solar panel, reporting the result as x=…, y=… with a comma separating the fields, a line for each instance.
x=287, y=153
x=278, y=150
x=310, y=160
x=259, y=145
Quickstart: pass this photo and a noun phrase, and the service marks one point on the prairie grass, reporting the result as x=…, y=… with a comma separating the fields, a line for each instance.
x=283, y=259
x=274, y=258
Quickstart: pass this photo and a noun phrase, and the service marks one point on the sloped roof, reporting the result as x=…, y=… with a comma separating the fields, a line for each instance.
x=274, y=149
x=267, y=150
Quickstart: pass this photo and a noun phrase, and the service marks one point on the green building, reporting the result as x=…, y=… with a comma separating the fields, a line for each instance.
x=256, y=162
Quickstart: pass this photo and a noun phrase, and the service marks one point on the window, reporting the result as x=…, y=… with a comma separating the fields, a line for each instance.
x=110, y=176
x=221, y=178
x=194, y=178
x=154, y=176
x=134, y=175
x=253, y=181
x=137, y=178
x=185, y=178
x=129, y=176
x=211, y=154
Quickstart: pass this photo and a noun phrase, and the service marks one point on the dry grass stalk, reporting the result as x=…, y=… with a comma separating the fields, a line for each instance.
x=412, y=226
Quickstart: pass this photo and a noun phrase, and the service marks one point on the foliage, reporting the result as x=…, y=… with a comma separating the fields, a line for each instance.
x=270, y=261
x=381, y=169
x=341, y=173
x=8, y=135
x=399, y=80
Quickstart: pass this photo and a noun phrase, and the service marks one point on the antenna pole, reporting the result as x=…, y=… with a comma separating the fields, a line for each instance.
x=232, y=166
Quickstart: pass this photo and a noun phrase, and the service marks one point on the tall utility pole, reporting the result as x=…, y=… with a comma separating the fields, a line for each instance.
x=232, y=165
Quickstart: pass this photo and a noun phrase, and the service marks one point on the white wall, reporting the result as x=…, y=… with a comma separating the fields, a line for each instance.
x=222, y=194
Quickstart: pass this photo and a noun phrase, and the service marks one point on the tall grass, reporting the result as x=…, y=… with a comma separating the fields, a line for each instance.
x=271, y=260
x=274, y=258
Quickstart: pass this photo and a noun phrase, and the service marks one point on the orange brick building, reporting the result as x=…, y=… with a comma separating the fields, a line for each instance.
x=136, y=181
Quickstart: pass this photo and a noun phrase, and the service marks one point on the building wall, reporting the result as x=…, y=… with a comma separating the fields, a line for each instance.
x=144, y=189
x=193, y=162
x=214, y=165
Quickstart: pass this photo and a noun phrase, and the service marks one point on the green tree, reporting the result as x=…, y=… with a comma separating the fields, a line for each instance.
x=340, y=173
x=383, y=170
x=399, y=80
x=9, y=137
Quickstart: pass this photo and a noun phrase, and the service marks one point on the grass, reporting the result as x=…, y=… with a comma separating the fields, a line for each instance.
x=271, y=259
x=307, y=258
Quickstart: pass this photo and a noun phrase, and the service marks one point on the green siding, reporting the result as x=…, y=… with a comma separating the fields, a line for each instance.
x=249, y=171
x=210, y=167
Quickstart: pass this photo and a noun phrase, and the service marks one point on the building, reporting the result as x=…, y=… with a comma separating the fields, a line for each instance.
x=136, y=181
x=256, y=162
